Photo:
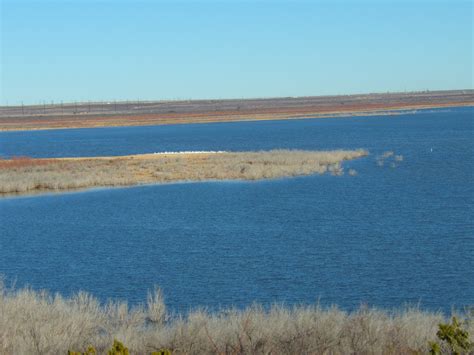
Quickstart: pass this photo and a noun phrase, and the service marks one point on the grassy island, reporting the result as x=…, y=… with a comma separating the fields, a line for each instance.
x=26, y=175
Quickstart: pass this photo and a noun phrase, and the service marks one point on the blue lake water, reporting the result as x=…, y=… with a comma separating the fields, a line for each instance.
x=386, y=237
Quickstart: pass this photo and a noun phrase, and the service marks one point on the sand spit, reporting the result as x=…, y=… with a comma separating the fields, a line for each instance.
x=28, y=176
x=192, y=152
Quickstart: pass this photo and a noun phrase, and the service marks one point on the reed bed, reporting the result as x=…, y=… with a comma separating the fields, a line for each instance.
x=29, y=175
x=36, y=322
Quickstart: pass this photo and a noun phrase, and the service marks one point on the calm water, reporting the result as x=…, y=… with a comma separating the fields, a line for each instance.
x=386, y=237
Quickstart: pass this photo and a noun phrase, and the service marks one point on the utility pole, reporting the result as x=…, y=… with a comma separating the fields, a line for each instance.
x=22, y=109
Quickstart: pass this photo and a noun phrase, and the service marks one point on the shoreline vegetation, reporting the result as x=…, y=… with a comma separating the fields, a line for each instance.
x=37, y=322
x=24, y=175
x=150, y=113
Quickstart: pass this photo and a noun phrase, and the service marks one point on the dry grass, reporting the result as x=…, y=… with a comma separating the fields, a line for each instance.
x=34, y=322
x=30, y=175
x=22, y=162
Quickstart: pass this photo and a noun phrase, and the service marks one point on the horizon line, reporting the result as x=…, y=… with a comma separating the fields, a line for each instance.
x=51, y=103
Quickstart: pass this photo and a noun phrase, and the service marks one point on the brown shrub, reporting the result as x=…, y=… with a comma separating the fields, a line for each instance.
x=35, y=322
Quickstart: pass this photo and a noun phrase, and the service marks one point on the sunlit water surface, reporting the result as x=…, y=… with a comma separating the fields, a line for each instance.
x=389, y=236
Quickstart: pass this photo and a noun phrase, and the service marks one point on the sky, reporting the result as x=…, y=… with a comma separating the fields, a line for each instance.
x=68, y=50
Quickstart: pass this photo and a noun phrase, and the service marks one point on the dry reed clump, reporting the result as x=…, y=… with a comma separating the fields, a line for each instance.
x=33, y=322
x=73, y=173
x=390, y=157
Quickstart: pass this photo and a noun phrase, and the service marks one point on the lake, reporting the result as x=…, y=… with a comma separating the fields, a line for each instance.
x=396, y=234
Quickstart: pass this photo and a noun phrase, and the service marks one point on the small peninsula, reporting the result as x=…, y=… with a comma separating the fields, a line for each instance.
x=24, y=175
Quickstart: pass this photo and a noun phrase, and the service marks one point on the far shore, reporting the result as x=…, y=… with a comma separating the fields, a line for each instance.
x=26, y=176
x=151, y=113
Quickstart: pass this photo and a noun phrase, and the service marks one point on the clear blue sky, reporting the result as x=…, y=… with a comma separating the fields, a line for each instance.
x=118, y=50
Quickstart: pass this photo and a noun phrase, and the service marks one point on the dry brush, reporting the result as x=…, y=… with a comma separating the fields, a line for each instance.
x=29, y=175
x=35, y=322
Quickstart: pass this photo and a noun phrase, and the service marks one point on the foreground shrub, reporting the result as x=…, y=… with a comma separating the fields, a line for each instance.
x=36, y=322
x=454, y=339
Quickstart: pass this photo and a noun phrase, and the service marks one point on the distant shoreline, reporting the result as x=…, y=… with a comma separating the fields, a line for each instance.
x=123, y=114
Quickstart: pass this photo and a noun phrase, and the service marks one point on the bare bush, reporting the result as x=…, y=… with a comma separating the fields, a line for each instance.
x=35, y=322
